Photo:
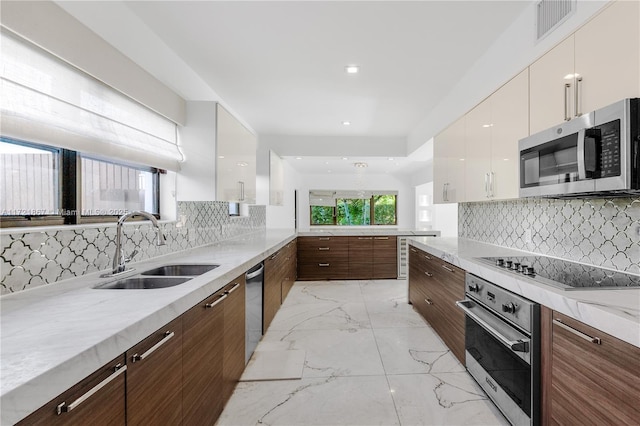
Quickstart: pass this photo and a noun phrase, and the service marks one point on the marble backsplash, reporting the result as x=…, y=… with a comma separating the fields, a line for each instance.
x=600, y=232
x=43, y=256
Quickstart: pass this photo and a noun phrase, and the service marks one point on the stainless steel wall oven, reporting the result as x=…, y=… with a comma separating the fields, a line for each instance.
x=502, y=348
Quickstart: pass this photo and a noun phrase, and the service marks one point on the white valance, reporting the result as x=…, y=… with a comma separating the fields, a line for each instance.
x=48, y=101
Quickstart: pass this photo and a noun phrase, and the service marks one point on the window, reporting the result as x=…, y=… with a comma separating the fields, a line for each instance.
x=352, y=208
x=39, y=186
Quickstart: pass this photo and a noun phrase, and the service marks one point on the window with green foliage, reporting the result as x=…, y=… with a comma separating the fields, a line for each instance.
x=377, y=210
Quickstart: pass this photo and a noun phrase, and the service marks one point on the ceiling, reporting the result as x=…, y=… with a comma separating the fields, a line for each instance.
x=280, y=65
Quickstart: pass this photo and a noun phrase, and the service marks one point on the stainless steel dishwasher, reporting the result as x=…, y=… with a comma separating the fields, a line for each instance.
x=253, y=309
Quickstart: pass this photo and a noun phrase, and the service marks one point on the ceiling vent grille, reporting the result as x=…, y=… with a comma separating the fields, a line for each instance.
x=551, y=13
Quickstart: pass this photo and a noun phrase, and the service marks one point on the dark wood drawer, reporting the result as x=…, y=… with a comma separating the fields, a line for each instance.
x=360, y=271
x=385, y=270
x=323, y=270
x=311, y=243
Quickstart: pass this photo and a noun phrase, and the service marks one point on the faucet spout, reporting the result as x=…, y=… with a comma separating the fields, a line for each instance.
x=119, y=258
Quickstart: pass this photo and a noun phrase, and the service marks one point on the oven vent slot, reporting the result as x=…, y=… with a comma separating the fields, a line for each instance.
x=551, y=13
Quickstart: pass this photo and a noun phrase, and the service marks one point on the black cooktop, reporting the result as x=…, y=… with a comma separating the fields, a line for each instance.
x=564, y=274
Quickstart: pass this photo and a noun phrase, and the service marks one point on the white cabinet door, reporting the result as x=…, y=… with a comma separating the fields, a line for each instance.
x=551, y=87
x=448, y=164
x=607, y=56
x=235, y=160
x=477, y=159
x=510, y=119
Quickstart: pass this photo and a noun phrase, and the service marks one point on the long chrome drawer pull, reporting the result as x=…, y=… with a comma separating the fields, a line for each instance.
x=429, y=301
x=167, y=336
x=64, y=408
x=323, y=264
x=381, y=238
x=413, y=250
x=427, y=257
x=324, y=248
x=578, y=333
x=211, y=305
x=521, y=345
x=234, y=288
x=447, y=268
x=429, y=274
x=324, y=238
x=365, y=238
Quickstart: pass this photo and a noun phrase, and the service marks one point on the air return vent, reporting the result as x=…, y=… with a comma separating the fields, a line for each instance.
x=551, y=13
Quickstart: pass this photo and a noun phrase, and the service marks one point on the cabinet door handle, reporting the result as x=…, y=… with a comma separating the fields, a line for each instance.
x=427, y=257
x=578, y=97
x=491, y=178
x=241, y=190
x=578, y=333
x=64, y=408
x=447, y=268
x=365, y=238
x=234, y=288
x=324, y=238
x=213, y=304
x=486, y=185
x=429, y=301
x=323, y=265
x=413, y=250
x=168, y=335
x=567, y=114
x=381, y=238
x=323, y=248
x=429, y=274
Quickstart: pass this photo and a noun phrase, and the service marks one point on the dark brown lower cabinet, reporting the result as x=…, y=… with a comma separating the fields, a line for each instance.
x=154, y=378
x=291, y=268
x=272, y=289
x=434, y=287
x=202, y=349
x=588, y=377
x=233, y=337
x=79, y=406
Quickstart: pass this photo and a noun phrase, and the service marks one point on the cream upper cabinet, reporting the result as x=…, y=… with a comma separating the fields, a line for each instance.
x=493, y=129
x=477, y=143
x=235, y=160
x=607, y=56
x=448, y=164
x=510, y=123
x=597, y=65
x=551, y=87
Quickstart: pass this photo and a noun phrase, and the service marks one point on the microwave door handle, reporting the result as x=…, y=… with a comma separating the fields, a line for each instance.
x=582, y=173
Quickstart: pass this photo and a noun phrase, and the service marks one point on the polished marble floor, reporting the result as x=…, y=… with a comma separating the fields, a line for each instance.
x=369, y=359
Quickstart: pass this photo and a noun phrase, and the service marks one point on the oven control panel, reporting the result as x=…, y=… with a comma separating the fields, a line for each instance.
x=514, y=308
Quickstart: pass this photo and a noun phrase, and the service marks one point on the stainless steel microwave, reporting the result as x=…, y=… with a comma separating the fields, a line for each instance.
x=595, y=154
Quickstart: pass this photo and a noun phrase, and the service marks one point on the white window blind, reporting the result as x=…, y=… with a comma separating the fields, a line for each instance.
x=46, y=100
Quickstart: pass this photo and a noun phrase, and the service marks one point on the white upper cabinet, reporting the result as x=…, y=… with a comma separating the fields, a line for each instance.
x=493, y=129
x=597, y=65
x=235, y=160
x=510, y=123
x=607, y=56
x=448, y=164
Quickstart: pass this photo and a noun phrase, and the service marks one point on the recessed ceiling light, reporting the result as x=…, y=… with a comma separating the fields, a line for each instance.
x=242, y=164
x=352, y=69
x=326, y=162
x=344, y=158
x=220, y=156
x=487, y=125
x=298, y=158
x=390, y=158
x=346, y=123
x=360, y=165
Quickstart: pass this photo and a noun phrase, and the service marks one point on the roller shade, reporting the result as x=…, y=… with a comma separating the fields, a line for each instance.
x=46, y=100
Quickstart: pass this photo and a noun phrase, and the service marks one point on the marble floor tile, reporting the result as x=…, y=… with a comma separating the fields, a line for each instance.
x=414, y=350
x=334, y=352
x=332, y=291
x=327, y=401
x=321, y=316
x=442, y=399
x=386, y=314
x=384, y=290
x=274, y=365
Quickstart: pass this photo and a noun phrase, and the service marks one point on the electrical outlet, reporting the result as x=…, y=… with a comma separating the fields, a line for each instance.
x=527, y=235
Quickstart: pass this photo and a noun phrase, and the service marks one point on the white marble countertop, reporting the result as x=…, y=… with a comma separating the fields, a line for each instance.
x=362, y=230
x=616, y=312
x=54, y=336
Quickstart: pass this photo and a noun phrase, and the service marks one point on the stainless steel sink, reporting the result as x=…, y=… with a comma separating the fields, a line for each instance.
x=143, y=283
x=186, y=270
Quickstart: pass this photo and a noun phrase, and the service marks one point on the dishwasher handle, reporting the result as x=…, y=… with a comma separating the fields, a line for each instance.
x=252, y=274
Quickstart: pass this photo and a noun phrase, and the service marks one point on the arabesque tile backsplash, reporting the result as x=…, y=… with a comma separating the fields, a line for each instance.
x=600, y=232
x=38, y=257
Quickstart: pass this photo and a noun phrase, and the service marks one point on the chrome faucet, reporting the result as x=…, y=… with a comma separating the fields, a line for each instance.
x=119, y=259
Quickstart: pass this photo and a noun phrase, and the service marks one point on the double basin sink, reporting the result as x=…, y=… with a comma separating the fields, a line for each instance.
x=160, y=277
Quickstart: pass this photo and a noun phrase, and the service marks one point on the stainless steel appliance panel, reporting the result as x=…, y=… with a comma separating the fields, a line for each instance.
x=253, y=309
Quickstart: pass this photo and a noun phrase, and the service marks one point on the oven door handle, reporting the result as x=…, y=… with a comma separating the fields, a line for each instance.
x=520, y=345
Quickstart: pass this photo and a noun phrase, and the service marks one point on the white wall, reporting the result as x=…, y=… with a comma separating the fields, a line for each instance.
x=405, y=200
x=196, y=180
